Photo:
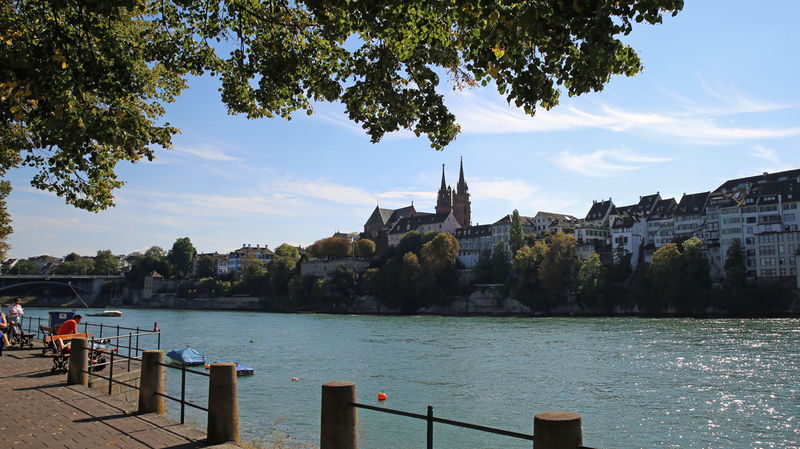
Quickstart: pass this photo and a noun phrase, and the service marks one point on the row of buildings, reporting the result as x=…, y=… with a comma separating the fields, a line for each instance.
x=223, y=262
x=758, y=211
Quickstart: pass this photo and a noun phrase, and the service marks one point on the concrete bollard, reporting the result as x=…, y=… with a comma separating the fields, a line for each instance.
x=557, y=430
x=339, y=426
x=223, y=408
x=153, y=381
x=78, y=373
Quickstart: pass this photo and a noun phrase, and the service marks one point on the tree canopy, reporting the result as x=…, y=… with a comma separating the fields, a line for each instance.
x=106, y=263
x=181, y=256
x=516, y=233
x=83, y=84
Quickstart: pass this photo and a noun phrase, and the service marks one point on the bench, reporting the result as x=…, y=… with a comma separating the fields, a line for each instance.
x=48, y=344
x=60, y=358
x=19, y=337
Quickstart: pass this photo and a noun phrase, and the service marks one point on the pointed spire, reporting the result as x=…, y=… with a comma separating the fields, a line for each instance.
x=444, y=184
x=462, y=184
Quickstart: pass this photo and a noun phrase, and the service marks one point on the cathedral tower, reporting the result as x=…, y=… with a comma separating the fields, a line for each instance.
x=444, y=203
x=461, y=204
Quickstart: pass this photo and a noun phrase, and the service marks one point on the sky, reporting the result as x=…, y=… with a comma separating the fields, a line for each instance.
x=717, y=99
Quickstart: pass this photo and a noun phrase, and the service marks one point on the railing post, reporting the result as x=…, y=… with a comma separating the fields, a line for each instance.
x=223, y=407
x=339, y=426
x=183, y=392
x=557, y=430
x=430, y=427
x=78, y=362
x=111, y=370
x=152, y=382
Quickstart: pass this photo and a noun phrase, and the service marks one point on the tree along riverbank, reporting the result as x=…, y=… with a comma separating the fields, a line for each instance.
x=488, y=300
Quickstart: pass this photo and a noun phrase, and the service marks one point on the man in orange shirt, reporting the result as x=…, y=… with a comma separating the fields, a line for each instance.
x=68, y=327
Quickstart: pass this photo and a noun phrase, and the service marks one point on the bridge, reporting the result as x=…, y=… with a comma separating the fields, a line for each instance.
x=85, y=285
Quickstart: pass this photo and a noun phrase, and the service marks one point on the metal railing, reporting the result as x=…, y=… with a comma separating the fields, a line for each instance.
x=182, y=400
x=115, y=329
x=430, y=419
x=93, y=367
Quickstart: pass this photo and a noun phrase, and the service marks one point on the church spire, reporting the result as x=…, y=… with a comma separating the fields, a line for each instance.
x=462, y=184
x=444, y=202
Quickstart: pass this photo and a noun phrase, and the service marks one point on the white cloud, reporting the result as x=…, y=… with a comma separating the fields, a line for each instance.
x=767, y=154
x=603, y=163
x=486, y=114
x=332, y=192
x=770, y=159
x=206, y=152
x=510, y=190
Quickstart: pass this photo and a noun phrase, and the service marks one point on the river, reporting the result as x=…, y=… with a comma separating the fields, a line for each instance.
x=637, y=383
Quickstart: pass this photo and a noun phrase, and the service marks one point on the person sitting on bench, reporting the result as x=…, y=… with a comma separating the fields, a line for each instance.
x=68, y=327
x=3, y=331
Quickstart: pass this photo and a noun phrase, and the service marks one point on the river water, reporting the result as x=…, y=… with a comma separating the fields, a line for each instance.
x=637, y=383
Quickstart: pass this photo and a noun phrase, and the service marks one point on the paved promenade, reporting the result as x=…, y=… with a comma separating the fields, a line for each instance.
x=38, y=410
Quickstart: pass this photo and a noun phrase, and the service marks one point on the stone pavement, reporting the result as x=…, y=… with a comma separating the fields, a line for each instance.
x=39, y=410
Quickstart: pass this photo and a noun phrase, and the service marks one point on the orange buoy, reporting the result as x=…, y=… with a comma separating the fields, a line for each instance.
x=295, y=378
x=381, y=396
x=208, y=366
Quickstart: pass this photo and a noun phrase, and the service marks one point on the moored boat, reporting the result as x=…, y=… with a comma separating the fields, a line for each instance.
x=187, y=356
x=113, y=313
x=241, y=370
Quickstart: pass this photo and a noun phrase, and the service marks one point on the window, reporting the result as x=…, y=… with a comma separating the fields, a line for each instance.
x=749, y=241
x=766, y=238
x=766, y=250
x=750, y=219
x=768, y=272
x=770, y=208
x=788, y=217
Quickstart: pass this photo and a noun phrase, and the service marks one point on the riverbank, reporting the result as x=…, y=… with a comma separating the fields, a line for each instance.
x=484, y=301
x=38, y=409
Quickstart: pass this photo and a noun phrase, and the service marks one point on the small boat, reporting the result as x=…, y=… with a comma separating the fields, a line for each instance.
x=241, y=370
x=106, y=313
x=187, y=356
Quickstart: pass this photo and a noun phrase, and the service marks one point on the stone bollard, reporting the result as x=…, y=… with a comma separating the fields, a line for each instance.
x=223, y=408
x=152, y=381
x=78, y=373
x=557, y=430
x=339, y=427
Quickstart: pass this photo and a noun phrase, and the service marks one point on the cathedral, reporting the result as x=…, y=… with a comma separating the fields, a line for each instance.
x=456, y=200
x=384, y=223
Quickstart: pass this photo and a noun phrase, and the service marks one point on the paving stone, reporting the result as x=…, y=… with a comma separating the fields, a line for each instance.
x=39, y=410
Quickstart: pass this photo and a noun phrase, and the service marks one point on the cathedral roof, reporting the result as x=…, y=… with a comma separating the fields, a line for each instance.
x=412, y=223
x=379, y=217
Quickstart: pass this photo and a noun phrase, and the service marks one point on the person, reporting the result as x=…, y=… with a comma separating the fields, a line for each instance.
x=14, y=315
x=14, y=311
x=67, y=327
x=3, y=331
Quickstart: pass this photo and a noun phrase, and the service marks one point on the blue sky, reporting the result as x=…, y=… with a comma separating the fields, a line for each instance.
x=718, y=99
